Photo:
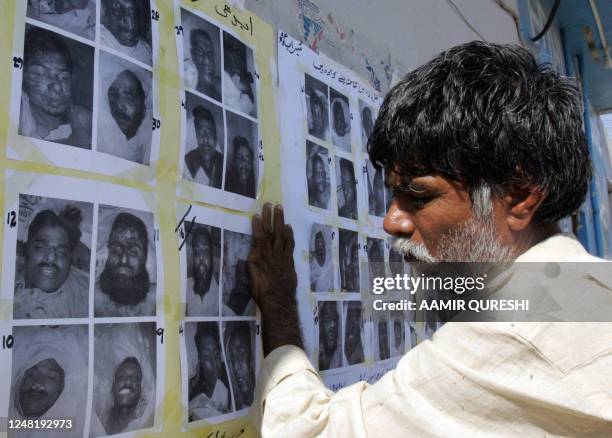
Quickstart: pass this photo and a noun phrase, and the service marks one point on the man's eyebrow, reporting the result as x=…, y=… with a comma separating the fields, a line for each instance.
x=402, y=185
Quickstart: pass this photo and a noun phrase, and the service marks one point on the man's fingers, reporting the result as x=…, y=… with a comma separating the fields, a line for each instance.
x=279, y=228
x=258, y=231
x=266, y=218
x=289, y=241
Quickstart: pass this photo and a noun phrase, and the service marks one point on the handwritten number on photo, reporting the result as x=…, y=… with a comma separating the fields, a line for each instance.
x=7, y=342
x=11, y=219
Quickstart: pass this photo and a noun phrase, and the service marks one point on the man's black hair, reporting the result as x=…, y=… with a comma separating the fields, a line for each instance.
x=68, y=219
x=199, y=112
x=199, y=33
x=239, y=329
x=488, y=114
x=207, y=329
x=127, y=220
x=41, y=42
x=201, y=231
x=240, y=141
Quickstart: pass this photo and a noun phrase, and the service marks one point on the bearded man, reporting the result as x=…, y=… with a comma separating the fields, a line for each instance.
x=484, y=151
x=124, y=287
x=202, y=286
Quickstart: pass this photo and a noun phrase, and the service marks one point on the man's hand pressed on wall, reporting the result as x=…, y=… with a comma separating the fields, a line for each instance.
x=274, y=280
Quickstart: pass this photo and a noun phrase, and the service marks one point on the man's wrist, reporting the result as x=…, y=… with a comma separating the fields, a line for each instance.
x=281, y=324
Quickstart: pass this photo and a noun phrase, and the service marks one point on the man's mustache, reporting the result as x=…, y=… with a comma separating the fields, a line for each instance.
x=48, y=265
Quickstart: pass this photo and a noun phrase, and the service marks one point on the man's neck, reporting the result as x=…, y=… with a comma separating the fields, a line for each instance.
x=46, y=122
x=532, y=236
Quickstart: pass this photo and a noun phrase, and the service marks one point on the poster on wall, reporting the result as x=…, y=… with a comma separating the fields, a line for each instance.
x=220, y=337
x=336, y=204
x=85, y=87
x=82, y=267
x=221, y=157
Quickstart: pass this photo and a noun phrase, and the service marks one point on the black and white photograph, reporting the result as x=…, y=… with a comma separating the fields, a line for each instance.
x=381, y=336
x=124, y=388
x=346, y=188
x=353, y=332
x=237, y=300
x=239, y=342
x=209, y=393
x=348, y=250
x=57, y=89
x=241, y=169
x=203, y=251
x=376, y=197
x=125, y=26
x=239, y=86
x=205, y=142
x=74, y=16
x=201, y=55
x=318, y=175
x=52, y=258
x=321, y=261
x=376, y=259
x=126, y=263
x=317, y=108
x=368, y=117
x=49, y=377
x=340, y=120
x=125, y=109
x=330, y=335
x=398, y=332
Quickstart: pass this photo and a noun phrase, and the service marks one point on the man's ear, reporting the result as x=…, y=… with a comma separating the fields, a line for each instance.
x=521, y=205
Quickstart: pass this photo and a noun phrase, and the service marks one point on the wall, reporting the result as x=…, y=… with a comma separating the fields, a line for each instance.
x=381, y=41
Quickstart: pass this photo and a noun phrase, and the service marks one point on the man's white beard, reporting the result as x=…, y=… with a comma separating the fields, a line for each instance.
x=476, y=240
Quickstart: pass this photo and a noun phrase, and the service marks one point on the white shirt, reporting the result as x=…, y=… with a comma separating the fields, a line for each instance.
x=342, y=141
x=236, y=99
x=480, y=378
x=141, y=51
x=71, y=300
x=209, y=306
x=202, y=407
x=322, y=276
x=29, y=127
x=79, y=21
x=111, y=140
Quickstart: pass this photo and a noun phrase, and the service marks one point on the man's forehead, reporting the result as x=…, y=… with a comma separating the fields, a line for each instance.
x=49, y=60
x=126, y=234
x=125, y=80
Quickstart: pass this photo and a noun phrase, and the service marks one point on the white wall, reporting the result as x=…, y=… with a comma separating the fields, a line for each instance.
x=394, y=36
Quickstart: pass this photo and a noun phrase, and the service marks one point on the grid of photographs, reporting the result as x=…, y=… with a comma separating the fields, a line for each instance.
x=85, y=95
x=219, y=344
x=345, y=189
x=86, y=322
x=221, y=153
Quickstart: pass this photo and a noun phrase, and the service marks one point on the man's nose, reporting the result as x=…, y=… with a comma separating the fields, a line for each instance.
x=50, y=255
x=397, y=222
